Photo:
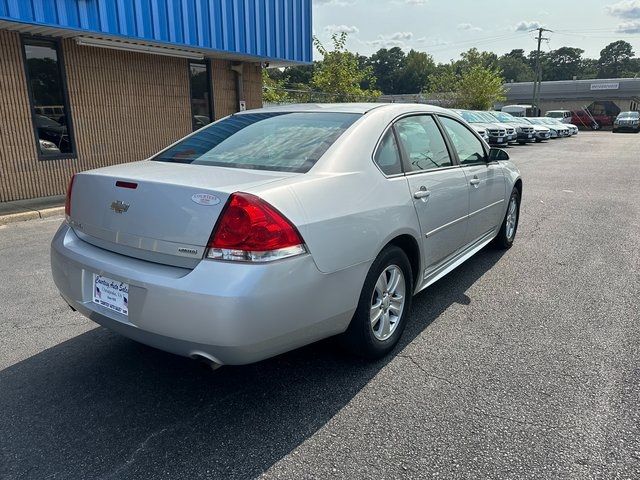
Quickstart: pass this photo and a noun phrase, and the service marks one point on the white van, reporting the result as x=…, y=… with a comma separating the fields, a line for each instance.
x=564, y=116
x=521, y=110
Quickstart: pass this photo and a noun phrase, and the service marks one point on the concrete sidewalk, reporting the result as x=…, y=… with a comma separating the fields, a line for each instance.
x=21, y=210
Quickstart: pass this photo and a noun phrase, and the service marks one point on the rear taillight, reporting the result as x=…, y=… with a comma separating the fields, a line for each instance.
x=251, y=230
x=67, y=200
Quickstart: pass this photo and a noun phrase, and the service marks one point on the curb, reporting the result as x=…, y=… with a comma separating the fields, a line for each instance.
x=30, y=215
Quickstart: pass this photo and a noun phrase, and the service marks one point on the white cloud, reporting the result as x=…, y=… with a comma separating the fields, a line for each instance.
x=629, y=27
x=401, y=36
x=525, y=26
x=432, y=42
x=341, y=29
x=625, y=9
x=416, y=2
x=468, y=27
x=386, y=43
x=396, y=39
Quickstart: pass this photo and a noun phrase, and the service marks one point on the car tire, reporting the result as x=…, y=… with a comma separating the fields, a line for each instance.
x=371, y=338
x=509, y=228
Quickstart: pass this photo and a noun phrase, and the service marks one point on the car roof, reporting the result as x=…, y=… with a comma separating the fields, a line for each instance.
x=361, y=108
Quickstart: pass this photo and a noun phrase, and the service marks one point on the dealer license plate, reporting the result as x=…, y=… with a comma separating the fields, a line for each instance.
x=111, y=294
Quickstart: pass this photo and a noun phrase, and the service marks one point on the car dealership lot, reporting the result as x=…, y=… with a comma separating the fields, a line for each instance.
x=521, y=364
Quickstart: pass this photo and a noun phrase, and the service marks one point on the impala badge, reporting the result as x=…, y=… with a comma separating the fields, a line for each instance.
x=119, y=206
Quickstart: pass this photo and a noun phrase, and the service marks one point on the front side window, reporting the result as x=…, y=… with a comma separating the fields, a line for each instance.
x=49, y=106
x=423, y=143
x=200, y=94
x=280, y=141
x=468, y=146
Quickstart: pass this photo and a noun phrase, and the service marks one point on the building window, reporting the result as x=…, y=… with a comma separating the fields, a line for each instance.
x=201, y=108
x=47, y=92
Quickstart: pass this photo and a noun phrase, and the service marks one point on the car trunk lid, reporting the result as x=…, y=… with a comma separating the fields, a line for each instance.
x=157, y=211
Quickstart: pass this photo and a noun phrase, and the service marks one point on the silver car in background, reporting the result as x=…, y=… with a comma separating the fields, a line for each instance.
x=273, y=228
x=494, y=134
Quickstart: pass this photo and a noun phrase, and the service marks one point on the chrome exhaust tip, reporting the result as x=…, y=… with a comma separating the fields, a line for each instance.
x=207, y=360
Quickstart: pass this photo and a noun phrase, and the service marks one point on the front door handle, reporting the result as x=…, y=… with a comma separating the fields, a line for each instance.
x=475, y=181
x=422, y=193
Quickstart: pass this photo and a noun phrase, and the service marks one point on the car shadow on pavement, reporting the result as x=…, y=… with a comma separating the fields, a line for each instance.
x=102, y=406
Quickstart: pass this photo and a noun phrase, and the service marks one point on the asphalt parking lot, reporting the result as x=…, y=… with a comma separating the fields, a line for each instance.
x=524, y=364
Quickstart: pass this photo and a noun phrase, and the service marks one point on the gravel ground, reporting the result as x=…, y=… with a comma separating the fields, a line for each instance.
x=524, y=364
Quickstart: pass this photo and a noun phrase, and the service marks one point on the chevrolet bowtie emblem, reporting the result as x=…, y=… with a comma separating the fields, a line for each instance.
x=119, y=206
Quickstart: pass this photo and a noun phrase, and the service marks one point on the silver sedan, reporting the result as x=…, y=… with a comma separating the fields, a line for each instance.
x=273, y=228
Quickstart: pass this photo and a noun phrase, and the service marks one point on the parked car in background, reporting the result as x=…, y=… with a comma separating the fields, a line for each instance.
x=553, y=129
x=274, y=228
x=627, y=122
x=563, y=116
x=553, y=124
x=541, y=132
x=525, y=132
x=521, y=110
x=496, y=134
x=572, y=129
x=512, y=135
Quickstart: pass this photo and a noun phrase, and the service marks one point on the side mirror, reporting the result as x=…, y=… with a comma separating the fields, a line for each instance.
x=497, y=155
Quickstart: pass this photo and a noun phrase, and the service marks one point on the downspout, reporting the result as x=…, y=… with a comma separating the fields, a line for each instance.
x=238, y=68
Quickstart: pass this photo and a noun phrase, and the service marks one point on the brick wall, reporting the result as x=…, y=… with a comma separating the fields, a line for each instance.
x=20, y=172
x=125, y=106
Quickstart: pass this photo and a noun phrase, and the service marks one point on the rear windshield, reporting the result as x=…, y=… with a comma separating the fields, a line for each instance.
x=469, y=116
x=555, y=114
x=504, y=117
x=486, y=117
x=280, y=141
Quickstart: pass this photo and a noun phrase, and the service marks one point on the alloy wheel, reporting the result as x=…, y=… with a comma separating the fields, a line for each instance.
x=387, y=302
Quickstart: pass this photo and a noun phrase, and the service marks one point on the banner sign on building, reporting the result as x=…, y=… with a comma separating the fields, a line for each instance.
x=605, y=86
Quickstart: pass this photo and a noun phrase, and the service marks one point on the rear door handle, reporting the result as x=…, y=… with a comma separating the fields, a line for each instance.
x=475, y=181
x=422, y=193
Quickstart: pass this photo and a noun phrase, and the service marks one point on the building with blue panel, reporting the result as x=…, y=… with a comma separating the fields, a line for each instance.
x=88, y=83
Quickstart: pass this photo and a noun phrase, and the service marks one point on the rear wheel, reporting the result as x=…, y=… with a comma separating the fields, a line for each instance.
x=507, y=233
x=383, y=307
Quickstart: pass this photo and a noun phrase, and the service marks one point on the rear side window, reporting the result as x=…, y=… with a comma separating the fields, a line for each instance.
x=423, y=143
x=387, y=156
x=280, y=141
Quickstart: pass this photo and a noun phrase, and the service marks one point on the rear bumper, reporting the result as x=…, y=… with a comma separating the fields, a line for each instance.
x=232, y=313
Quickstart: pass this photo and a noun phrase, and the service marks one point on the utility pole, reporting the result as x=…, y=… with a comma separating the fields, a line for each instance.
x=538, y=78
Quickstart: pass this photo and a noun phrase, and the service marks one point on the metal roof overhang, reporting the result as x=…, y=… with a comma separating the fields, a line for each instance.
x=118, y=42
x=627, y=88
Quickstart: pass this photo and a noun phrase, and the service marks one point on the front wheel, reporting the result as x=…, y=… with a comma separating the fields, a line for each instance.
x=383, y=307
x=509, y=227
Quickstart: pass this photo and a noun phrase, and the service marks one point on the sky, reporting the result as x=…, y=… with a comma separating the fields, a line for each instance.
x=444, y=28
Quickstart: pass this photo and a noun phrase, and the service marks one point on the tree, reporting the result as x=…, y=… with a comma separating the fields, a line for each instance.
x=615, y=59
x=515, y=66
x=477, y=88
x=475, y=58
x=564, y=63
x=480, y=88
x=339, y=74
x=386, y=66
x=272, y=90
x=414, y=76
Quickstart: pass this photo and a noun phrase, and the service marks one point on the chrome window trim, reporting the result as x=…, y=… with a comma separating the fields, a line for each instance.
x=390, y=125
